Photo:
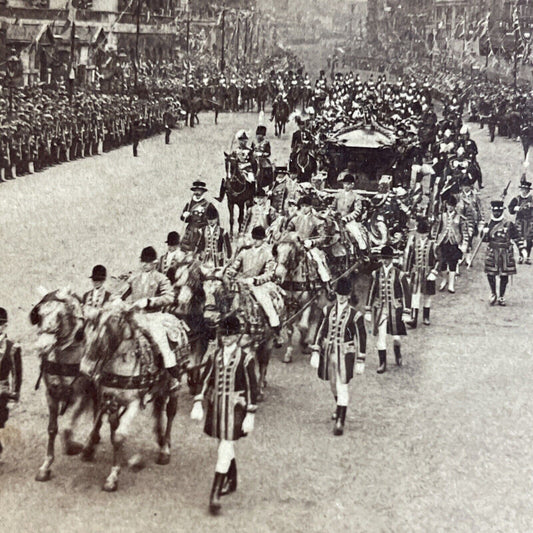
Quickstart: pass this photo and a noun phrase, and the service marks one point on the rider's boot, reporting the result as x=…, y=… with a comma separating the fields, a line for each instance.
x=222, y=192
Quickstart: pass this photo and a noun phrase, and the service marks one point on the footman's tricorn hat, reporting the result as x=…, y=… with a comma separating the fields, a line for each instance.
x=211, y=212
x=422, y=226
x=3, y=316
x=525, y=185
x=148, y=255
x=99, y=273
x=343, y=287
x=348, y=178
x=496, y=204
x=173, y=238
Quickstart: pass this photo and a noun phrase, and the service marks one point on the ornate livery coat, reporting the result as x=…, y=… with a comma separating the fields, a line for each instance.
x=214, y=246
x=230, y=388
x=388, y=295
x=523, y=209
x=500, y=257
x=96, y=298
x=341, y=338
x=196, y=221
x=420, y=260
x=10, y=374
x=152, y=285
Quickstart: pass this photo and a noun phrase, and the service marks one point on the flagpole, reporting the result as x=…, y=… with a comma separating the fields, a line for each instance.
x=188, y=37
x=71, y=57
x=137, y=32
x=237, y=40
x=223, y=38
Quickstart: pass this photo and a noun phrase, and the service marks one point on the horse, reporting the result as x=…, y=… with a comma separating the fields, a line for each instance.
x=300, y=280
x=261, y=96
x=224, y=297
x=233, y=93
x=281, y=117
x=189, y=302
x=60, y=323
x=239, y=191
x=126, y=367
x=248, y=93
x=305, y=163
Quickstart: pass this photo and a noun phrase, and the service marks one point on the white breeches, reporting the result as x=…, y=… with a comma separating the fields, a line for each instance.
x=340, y=390
x=153, y=323
x=262, y=295
x=319, y=258
x=226, y=452
x=356, y=230
x=382, y=334
x=418, y=298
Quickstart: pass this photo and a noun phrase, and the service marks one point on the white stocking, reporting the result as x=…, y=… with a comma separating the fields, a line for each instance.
x=342, y=394
x=226, y=452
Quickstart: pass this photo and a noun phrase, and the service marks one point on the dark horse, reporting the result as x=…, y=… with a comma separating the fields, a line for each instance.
x=239, y=190
x=305, y=162
x=281, y=117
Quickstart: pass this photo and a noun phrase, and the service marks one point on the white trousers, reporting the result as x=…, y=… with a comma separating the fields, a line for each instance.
x=356, y=231
x=418, y=298
x=226, y=452
x=319, y=258
x=382, y=333
x=153, y=323
x=262, y=295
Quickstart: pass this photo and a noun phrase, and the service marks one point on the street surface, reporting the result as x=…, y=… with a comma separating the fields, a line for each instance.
x=443, y=444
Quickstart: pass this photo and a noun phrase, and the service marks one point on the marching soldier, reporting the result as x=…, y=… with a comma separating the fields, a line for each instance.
x=388, y=296
x=522, y=207
x=420, y=263
x=500, y=234
x=340, y=344
x=453, y=234
x=215, y=245
x=96, y=298
x=469, y=208
x=168, y=121
x=10, y=372
x=194, y=216
x=230, y=387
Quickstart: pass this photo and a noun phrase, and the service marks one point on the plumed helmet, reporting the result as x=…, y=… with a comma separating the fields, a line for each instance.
x=173, y=238
x=99, y=273
x=343, y=287
x=230, y=325
x=258, y=233
x=148, y=255
x=241, y=135
x=261, y=130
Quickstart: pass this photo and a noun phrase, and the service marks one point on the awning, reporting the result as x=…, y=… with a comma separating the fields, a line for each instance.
x=362, y=138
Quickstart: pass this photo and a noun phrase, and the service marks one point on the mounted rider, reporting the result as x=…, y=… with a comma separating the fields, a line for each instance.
x=96, y=298
x=349, y=205
x=242, y=154
x=215, y=245
x=261, y=152
x=301, y=137
x=259, y=214
x=283, y=190
x=257, y=266
x=308, y=226
x=169, y=261
x=150, y=291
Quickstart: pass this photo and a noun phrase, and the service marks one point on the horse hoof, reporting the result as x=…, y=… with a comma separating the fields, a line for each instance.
x=214, y=508
x=163, y=459
x=110, y=486
x=43, y=475
x=136, y=463
x=73, y=448
x=287, y=359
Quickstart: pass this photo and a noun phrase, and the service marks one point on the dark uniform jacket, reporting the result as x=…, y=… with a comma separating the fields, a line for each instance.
x=10, y=375
x=500, y=257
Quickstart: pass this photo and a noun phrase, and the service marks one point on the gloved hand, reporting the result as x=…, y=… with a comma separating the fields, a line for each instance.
x=432, y=276
x=308, y=244
x=368, y=316
x=524, y=254
x=186, y=215
x=141, y=303
x=359, y=368
x=197, y=411
x=463, y=247
x=315, y=359
x=248, y=423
